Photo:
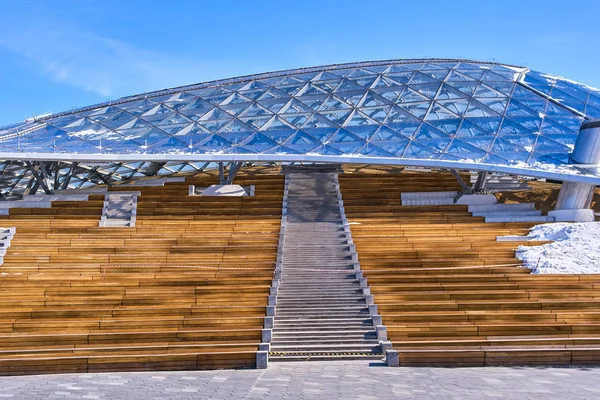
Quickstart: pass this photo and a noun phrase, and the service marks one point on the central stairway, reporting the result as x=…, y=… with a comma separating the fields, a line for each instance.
x=321, y=312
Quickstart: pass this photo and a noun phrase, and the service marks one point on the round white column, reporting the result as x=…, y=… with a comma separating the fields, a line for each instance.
x=574, y=198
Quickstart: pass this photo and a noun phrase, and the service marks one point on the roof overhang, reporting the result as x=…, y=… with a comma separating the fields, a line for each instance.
x=565, y=173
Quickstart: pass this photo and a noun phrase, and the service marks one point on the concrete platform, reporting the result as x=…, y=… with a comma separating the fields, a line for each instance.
x=316, y=380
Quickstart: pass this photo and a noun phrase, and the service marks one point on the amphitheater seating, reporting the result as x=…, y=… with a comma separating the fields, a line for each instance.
x=185, y=289
x=451, y=295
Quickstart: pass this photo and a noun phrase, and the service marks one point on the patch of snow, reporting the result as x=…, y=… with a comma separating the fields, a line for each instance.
x=575, y=249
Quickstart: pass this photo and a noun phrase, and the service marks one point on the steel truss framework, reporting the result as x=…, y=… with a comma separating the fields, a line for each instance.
x=436, y=112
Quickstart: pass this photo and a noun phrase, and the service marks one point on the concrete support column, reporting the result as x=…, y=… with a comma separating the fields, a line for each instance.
x=574, y=199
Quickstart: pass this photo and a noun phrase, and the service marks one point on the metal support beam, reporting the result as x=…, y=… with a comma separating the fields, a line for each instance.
x=481, y=180
x=67, y=179
x=462, y=183
x=221, y=173
x=35, y=170
x=233, y=169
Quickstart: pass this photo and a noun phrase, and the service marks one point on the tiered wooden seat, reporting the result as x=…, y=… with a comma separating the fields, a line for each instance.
x=185, y=289
x=450, y=294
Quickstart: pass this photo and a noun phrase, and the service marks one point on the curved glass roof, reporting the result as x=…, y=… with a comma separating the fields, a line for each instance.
x=420, y=112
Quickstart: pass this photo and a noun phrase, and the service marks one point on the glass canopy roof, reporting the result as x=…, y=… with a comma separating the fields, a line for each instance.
x=400, y=110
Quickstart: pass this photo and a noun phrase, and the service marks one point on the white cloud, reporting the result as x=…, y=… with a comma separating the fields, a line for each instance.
x=104, y=65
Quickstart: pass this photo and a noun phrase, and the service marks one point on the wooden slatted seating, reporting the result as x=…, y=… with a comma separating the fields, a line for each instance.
x=450, y=294
x=186, y=288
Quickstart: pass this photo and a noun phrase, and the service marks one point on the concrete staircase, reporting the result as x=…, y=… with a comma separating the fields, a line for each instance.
x=518, y=212
x=120, y=209
x=427, y=198
x=321, y=312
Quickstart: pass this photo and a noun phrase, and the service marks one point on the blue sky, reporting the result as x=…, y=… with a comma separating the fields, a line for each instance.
x=60, y=54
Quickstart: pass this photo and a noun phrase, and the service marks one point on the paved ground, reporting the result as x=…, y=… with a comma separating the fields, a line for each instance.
x=316, y=380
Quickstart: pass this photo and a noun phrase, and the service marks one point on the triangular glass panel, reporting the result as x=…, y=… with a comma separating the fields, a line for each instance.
x=214, y=125
x=275, y=105
x=395, y=147
x=512, y=128
x=484, y=90
x=427, y=90
x=159, y=110
x=476, y=109
x=333, y=103
x=371, y=150
x=319, y=121
x=517, y=109
x=438, y=112
x=235, y=126
x=421, y=78
x=193, y=130
x=391, y=94
x=252, y=85
x=302, y=138
x=464, y=150
x=466, y=87
x=458, y=106
x=385, y=133
x=539, y=82
x=320, y=134
x=377, y=113
x=173, y=119
x=457, y=76
x=272, y=93
x=352, y=98
x=427, y=131
x=447, y=92
x=505, y=87
x=325, y=76
x=401, y=77
x=473, y=73
x=438, y=74
x=363, y=132
x=326, y=150
x=576, y=91
x=567, y=100
x=448, y=126
x=410, y=96
x=310, y=89
x=489, y=124
x=292, y=89
x=497, y=104
x=526, y=97
x=359, y=119
x=346, y=85
x=342, y=135
x=491, y=158
x=372, y=99
x=196, y=108
x=416, y=150
x=283, y=150
x=258, y=143
x=136, y=123
x=295, y=106
x=469, y=129
x=417, y=109
x=397, y=115
x=235, y=108
x=138, y=107
x=545, y=145
x=337, y=117
x=212, y=143
x=364, y=81
x=255, y=110
x=215, y=114
x=256, y=122
x=296, y=120
x=276, y=123
x=348, y=148
x=490, y=76
x=313, y=102
x=327, y=86
x=279, y=135
x=592, y=112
